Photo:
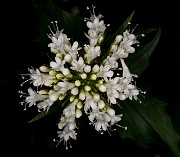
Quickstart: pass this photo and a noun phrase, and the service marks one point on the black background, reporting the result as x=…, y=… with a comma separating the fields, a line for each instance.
x=19, y=27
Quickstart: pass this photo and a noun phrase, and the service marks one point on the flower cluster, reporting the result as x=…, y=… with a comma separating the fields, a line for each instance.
x=88, y=86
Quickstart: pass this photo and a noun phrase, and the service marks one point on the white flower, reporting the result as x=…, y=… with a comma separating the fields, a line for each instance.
x=58, y=41
x=111, y=62
x=33, y=98
x=78, y=65
x=113, y=89
x=65, y=86
x=38, y=78
x=89, y=103
x=115, y=119
x=92, y=52
x=45, y=105
x=58, y=65
x=66, y=135
x=101, y=123
x=105, y=72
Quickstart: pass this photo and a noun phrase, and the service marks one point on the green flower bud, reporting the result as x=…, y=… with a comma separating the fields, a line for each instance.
x=52, y=72
x=83, y=75
x=77, y=83
x=43, y=92
x=87, y=88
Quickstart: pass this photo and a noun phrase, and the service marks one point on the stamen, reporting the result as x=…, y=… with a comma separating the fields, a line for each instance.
x=134, y=28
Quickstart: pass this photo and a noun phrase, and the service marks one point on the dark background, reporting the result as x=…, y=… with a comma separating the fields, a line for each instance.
x=19, y=27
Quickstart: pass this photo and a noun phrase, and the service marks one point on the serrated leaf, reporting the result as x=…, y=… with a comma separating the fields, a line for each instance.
x=148, y=120
x=139, y=60
x=55, y=108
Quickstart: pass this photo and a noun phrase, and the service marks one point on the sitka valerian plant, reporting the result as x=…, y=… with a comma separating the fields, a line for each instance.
x=85, y=78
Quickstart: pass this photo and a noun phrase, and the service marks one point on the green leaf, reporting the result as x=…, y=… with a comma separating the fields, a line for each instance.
x=139, y=60
x=48, y=11
x=54, y=109
x=149, y=121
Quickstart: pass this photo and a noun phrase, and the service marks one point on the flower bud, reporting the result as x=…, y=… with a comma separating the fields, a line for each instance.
x=74, y=91
x=65, y=71
x=102, y=88
x=72, y=126
x=77, y=83
x=82, y=95
x=100, y=40
x=101, y=104
x=54, y=96
x=48, y=82
x=44, y=69
x=78, y=113
x=107, y=117
x=72, y=98
x=62, y=96
x=87, y=68
x=95, y=68
x=43, y=92
x=56, y=87
x=52, y=72
x=54, y=50
x=87, y=88
x=79, y=104
x=59, y=76
x=96, y=97
x=61, y=125
x=93, y=77
x=118, y=39
x=51, y=91
x=83, y=75
x=122, y=96
x=111, y=112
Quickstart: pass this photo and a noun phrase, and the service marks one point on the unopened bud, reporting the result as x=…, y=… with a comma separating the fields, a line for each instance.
x=65, y=71
x=101, y=104
x=48, y=82
x=82, y=95
x=52, y=72
x=96, y=97
x=111, y=112
x=54, y=96
x=118, y=39
x=95, y=68
x=87, y=88
x=44, y=69
x=78, y=113
x=77, y=83
x=72, y=126
x=87, y=68
x=56, y=87
x=79, y=104
x=122, y=96
x=107, y=117
x=93, y=77
x=53, y=50
x=59, y=76
x=72, y=98
x=61, y=97
x=102, y=88
x=74, y=91
x=83, y=75
x=43, y=92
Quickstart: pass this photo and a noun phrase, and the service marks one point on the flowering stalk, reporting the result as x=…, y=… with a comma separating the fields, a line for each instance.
x=91, y=87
